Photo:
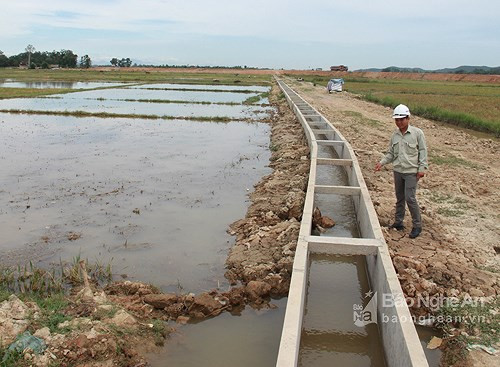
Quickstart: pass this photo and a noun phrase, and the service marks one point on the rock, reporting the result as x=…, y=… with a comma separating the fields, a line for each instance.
x=327, y=222
x=13, y=319
x=257, y=289
x=92, y=334
x=204, y=304
x=476, y=292
x=14, y=308
x=101, y=298
x=316, y=218
x=123, y=318
x=43, y=333
x=183, y=320
x=434, y=343
x=85, y=294
x=160, y=301
x=105, y=308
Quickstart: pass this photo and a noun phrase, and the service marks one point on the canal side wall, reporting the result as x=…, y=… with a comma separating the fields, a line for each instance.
x=399, y=337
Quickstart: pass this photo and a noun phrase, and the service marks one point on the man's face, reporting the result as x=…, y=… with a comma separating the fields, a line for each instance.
x=402, y=124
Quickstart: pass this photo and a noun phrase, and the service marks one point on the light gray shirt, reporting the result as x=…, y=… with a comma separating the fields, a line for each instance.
x=407, y=152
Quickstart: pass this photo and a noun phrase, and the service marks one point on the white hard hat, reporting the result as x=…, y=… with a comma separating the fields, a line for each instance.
x=401, y=111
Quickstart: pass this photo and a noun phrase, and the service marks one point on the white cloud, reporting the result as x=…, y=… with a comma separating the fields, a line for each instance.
x=327, y=23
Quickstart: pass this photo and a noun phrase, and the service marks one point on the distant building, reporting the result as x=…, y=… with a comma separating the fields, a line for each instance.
x=339, y=68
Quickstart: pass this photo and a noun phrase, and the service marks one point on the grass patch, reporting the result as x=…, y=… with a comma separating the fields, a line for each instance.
x=162, y=101
x=125, y=115
x=490, y=268
x=145, y=76
x=450, y=212
x=450, y=160
x=14, y=359
x=469, y=322
x=102, y=314
x=358, y=117
x=6, y=93
x=469, y=105
x=4, y=294
x=255, y=99
x=450, y=206
x=244, y=91
x=160, y=332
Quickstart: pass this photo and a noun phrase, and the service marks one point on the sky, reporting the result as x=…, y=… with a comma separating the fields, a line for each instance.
x=430, y=34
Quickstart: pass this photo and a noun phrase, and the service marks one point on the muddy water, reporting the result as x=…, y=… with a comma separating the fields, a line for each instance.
x=153, y=197
x=329, y=336
x=57, y=85
x=336, y=283
x=256, y=88
x=123, y=101
x=248, y=339
x=425, y=335
x=338, y=207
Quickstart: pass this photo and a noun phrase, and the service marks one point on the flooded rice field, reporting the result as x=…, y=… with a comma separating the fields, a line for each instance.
x=243, y=88
x=156, y=102
x=57, y=85
x=154, y=198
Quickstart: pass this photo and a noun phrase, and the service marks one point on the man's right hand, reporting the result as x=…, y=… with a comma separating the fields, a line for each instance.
x=378, y=166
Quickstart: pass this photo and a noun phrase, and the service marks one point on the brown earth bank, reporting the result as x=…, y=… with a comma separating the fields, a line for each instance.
x=457, y=253
x=266, y=238
x=480, y=78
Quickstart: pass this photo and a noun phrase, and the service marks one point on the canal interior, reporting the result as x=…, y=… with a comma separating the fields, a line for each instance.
x=336, y=284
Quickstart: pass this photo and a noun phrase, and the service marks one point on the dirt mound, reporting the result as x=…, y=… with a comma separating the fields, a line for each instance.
x=266, y=238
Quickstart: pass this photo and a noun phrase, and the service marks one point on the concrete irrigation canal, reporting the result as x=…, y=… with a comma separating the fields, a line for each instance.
x=320, y=280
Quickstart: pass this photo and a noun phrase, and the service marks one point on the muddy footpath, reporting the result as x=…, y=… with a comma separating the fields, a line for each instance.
x=102, y=326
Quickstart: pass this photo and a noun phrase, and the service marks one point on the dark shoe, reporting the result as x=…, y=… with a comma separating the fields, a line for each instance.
x=397, y=226
x=415, y=232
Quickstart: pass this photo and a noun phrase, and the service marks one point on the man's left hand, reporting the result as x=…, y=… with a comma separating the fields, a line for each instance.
x=420, y=175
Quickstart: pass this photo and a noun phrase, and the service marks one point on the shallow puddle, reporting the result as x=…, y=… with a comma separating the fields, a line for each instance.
x=425, y=335
x=153, y=197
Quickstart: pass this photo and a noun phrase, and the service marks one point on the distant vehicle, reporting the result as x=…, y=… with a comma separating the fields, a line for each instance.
x=335, y=85
x=339, y=68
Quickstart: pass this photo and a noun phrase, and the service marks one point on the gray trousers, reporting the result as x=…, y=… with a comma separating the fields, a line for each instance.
x=405, y=185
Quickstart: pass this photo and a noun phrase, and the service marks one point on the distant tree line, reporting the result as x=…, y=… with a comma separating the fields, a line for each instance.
x=124, y=62
x=491, y=71
x=462, y=70
x=33, y=59
x=200, y=67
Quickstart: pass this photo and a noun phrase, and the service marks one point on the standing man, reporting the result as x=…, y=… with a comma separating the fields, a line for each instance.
x=408, y=152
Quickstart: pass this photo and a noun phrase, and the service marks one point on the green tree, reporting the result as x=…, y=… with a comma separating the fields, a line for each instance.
x=85, y=62
x=114, y=61
x=29, y=49
x=4, y=60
